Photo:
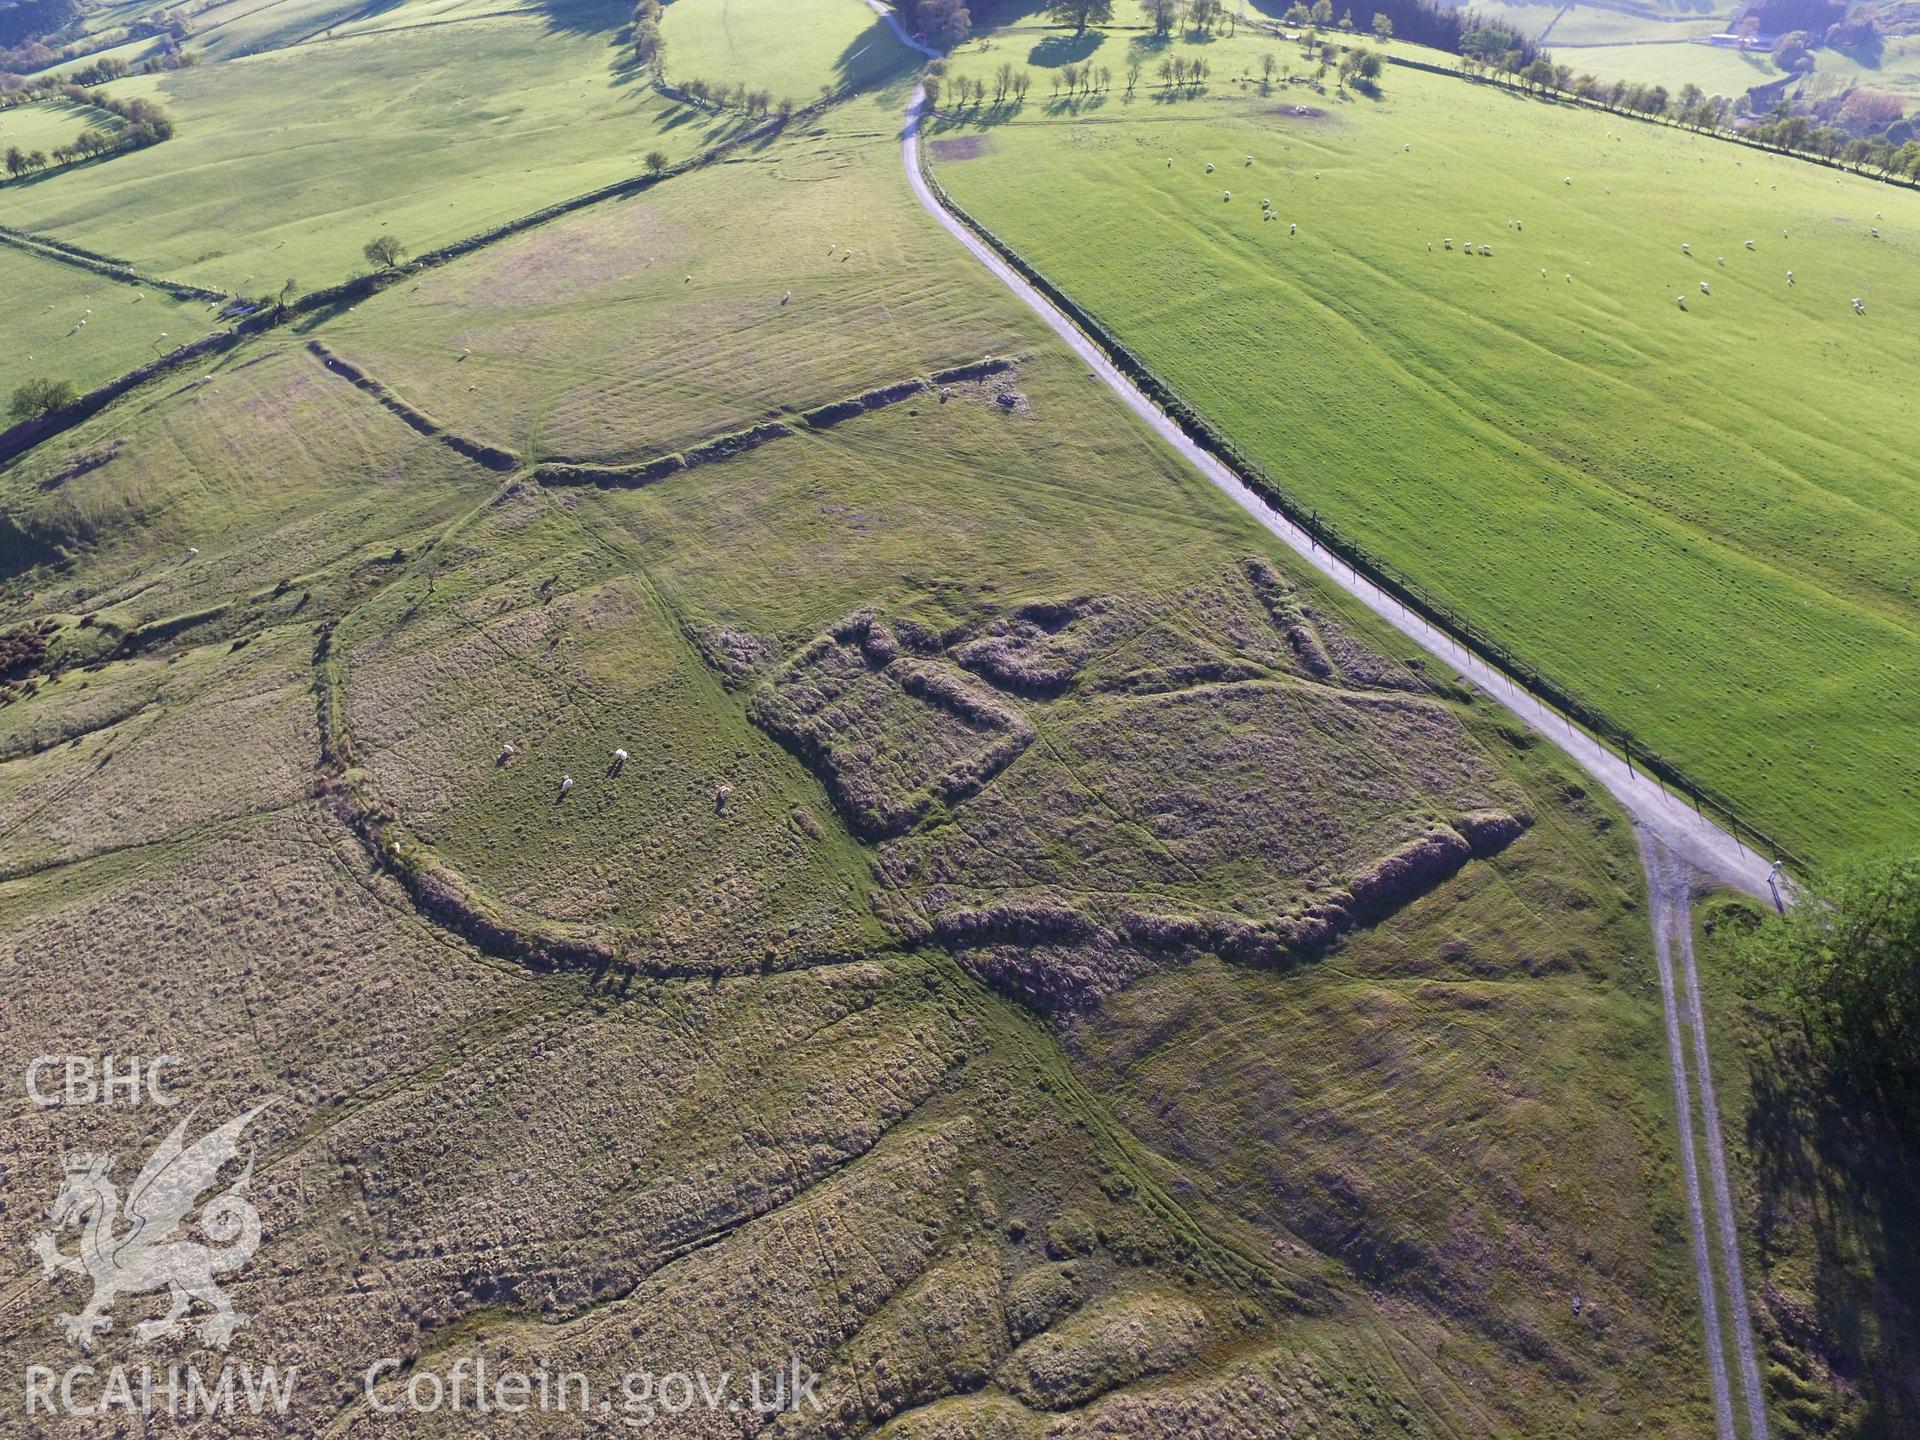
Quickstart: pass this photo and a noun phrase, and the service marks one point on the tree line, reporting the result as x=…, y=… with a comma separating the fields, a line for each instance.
x=1696, y=110
x=145, y=123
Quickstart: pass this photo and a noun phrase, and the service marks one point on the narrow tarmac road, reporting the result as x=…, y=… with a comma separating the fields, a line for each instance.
x=1677, y=843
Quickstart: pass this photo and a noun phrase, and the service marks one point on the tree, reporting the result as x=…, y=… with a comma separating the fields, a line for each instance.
x=656, y=162
x=1161, y=14
x=1790, y=51
x=16, y=161
x=383, y=252
x=1080, y=13
x=37, y=397
x=930, y=86
x=944, y=22
x=1021, y=85
x=1382, y=25
x=1845, y=964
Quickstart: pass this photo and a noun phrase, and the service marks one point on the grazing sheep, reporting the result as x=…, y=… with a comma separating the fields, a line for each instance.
x=1681, y=301
x=1567, y=181
x=619, y=761
x=1569, y=278
x=1703, y=288
x=507, y=752
x=1720, y=260
x=1858, y=307
x=786, y=297
x=1749, y=245
x=1486, y=249
x=1249, y=159
x=1293, y=228
x=566, y=783
x=1874, y=230
x=1209, y=167
x=1226, y=195
x=1790, y=277
x=1316, y=174
x=1686, y=249
x=1406, y=147
x=1266, y=204
x=1448, y=242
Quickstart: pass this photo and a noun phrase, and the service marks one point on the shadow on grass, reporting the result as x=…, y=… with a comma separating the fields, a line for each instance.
x=1845, y=1169
x=1066, y=49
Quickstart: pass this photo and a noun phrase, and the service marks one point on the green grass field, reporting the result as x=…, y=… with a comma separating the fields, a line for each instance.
x=1699, y=519
x=430, y=133
x=47, y=123
x=787, y=47
x=1595, y=25
x=575, y=369
x=1715, y=70
x=40, y=336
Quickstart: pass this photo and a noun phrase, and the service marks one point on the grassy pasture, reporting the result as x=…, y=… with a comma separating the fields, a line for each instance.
x=47, y=123
x=786, y=47
x=1700, y=519
x=640, y=326
x=39, y=337
x=432, y=133
x=1715, y=70
x=1599, y=25
x=892, y=1125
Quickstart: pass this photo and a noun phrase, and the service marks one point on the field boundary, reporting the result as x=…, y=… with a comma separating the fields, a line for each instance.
x=739, y=442
x=491, y=456
x=1665, y=122
x=62, y=253
x=21, y=437
x=1401, y=588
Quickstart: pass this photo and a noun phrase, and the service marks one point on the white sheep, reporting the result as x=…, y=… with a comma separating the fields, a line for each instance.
x=1686, y=249
x=619, y=760
x=1721, y=261
x=786, y=297
x=1703, y=288
x=1569, y=278
x=1293, y=228
x=1486, y=249
x=1681, y=301
x=1749, y=245
x=1266, y=204
x=1448, y=242
x=566, y=783
x=1874, y=230
x=1406, y=147
x=1226, y=195
x=1543, y=272
x=1567, y=181
x=1209, y=167
x=507, y=752
x=1790, y=277
x=1249, y=159
x=1859, y=308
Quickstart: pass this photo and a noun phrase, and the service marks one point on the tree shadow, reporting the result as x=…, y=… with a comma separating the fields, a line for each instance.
x=871, y=56
x=1066, y=49
x=1845, y=1169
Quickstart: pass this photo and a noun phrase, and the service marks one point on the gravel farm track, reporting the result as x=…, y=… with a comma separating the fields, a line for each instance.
x=1680, y=848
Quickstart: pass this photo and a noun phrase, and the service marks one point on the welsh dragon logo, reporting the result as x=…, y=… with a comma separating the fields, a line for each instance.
x=150, y=1254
